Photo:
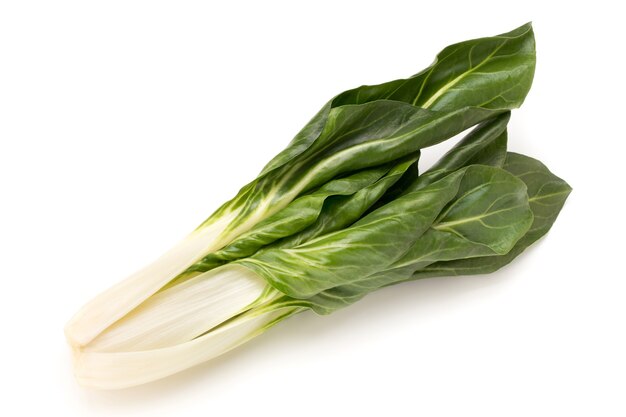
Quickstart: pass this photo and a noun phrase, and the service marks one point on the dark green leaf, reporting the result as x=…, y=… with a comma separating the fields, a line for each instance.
x=475, y=211
x=489, y=214
x=368, y=246
x=303, y=216
x=372, y=125
x=342, y=211
x=505, y=64
x=547, y=194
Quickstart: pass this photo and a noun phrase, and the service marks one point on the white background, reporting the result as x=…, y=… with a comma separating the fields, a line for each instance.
x=123, y=124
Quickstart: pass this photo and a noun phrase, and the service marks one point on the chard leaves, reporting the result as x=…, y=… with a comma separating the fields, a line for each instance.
x=367, y=246
x=494, y=72
x=315, y=210
x=546, y=193
x=469, y=83
x=489, y=214
x=437, y=253
x=461, y=210
x=325, y=244
x=343, y=211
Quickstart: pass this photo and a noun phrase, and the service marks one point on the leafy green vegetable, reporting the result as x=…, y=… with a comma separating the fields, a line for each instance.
x=362, y=128
x=341, y=212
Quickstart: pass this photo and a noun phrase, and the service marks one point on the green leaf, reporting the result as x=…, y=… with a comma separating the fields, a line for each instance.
x=484, y=145
x=489, y=214
x=342, y=211
x=292, y=226
x=492, y=208
x=368, y=246
x=313, y=212
x=494, y=72
x=472, y=212
x=469, y=83
x=547, y=194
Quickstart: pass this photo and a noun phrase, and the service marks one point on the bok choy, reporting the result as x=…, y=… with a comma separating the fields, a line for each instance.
x=341, y=212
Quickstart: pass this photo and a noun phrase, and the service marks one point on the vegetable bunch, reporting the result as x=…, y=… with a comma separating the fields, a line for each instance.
x=341, y=212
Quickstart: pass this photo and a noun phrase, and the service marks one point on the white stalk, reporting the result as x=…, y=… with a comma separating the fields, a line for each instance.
x=182, y=312
x=111, y=305
x=115, y=370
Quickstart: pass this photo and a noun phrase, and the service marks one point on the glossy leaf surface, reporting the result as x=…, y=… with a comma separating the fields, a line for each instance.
x=371, y=125
x=473, y=211
x=302, y=216
x=547, y=194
